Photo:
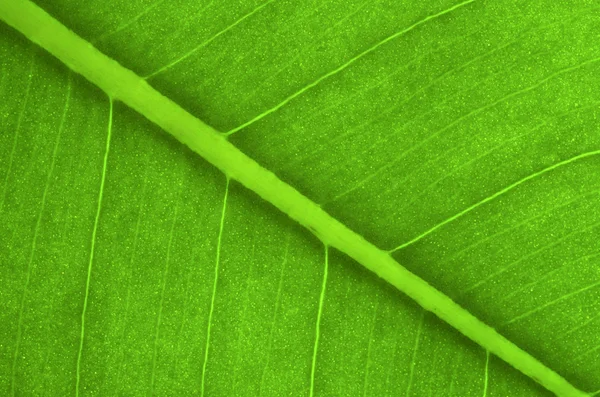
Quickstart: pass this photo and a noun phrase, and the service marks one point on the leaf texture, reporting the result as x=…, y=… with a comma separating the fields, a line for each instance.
x=463, y=139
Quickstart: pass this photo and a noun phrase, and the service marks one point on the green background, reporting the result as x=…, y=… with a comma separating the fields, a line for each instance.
x=399, y=140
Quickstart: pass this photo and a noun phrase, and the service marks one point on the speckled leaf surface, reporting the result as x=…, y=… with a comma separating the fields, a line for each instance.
x=463, y=136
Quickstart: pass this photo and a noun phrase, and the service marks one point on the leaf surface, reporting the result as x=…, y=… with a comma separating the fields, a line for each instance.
x=461, y=136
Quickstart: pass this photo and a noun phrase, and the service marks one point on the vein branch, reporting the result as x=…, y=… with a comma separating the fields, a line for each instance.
x=318, y=326
x=496, y=195
x=92, y=248
x=346, y=65
x=214, y=290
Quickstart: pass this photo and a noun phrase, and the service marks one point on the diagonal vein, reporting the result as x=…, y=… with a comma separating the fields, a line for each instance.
x=214, y=290
x=313, y=366
x=413, y=360
x=274, y=318
x=208, y=41
x=162, y=294
x=35, y=236
x=551, y=303
x=93, y=245
x=498, y=194
x=17, y=130
x=122, y=84
x=346, y=64
x=368, y=360
x=486, y=375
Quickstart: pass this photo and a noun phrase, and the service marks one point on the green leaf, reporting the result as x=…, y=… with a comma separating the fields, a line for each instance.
x=461, y=136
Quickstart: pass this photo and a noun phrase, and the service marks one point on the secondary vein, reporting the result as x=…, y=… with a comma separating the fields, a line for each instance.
x=214, y=290
x=313, y=366
x=93, y=245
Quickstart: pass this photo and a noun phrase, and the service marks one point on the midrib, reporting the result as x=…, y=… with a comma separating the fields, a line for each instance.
x=124, y=85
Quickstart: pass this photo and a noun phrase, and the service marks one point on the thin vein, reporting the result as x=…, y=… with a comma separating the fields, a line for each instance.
x=35, y=237
x=162, y=295
x=345, y=298
x=17, y=131
x=184, y=314
x=345, y=65
x=473, y=160
x=497, y=194
x=125, y=312
x=93, y=245
x=208, y=41
x=389, y=371
x=258, y=87
x=130, y=22
x=474, y=112
x=453, y=376
x=242, y=314
x=368, y=361
x=581, y=325
x=544, y=277
x=318, y=326
x=551, y=303
x=522, y=223
x=214, y=290
x=414, y=355
x=486, y=373
x=587, y=353
x=528, y=256
x=274, y=319
x=354, y=131
x=385, y=112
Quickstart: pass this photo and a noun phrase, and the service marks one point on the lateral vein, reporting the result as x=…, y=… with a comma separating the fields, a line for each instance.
x=93, y=245
x=35, y=237
x=214, y=290
x=313, y=366
x=346, y=64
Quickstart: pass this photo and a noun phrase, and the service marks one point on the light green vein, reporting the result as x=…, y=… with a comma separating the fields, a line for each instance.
x=587, y=353
x=17, y=130
x=208, y=41
x=125, y=313
x=345, y=65
x=275, y=311
x=128, y=23
x=162, y=294
x=580, y=326
x=123, y=84
x=370, y=345
x=528, y=287
x=486, y=373
x=93, y=245
x=532, y=254
x=390, y=367
x=551, y=303
x=495, y=195
x=515, y=227
x=470, y=114
x=313, y=366
x=35, y=237
x=413, y=361
x=242, y=314
x=214, y=290
x=298, y=22
x=456, y=363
